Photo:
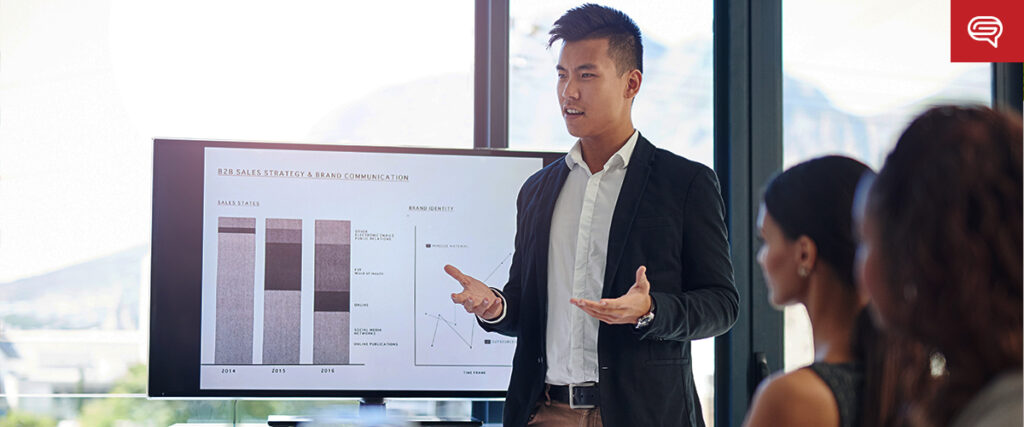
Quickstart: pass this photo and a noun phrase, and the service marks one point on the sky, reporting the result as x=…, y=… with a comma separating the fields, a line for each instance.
x=85, y=86
x=869, y=56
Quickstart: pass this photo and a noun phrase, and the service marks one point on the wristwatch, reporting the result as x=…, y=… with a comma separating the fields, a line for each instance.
x=645, y=320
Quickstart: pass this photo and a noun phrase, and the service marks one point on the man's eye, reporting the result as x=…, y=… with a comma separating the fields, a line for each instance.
x=588, y=75
x=561, y=76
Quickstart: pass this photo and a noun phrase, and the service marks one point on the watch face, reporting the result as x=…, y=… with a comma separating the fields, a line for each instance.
x=645, y=320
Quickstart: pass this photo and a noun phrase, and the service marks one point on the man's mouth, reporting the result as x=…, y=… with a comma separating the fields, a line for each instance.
x=572, y=112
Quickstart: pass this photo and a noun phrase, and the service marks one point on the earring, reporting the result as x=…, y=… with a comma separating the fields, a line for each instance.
x=909, y=293
x=802, y=271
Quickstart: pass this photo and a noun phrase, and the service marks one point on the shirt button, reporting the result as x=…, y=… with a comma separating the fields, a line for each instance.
x=540, y=360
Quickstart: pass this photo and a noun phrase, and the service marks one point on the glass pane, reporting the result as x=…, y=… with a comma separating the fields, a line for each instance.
x=673, y=110
x=99, y=410
x=851, y=86
x=85, y=88
x=258, y=411
x=133, y=409
x=674, y=107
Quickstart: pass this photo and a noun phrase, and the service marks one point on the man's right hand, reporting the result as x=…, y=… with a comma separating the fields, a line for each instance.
x=476, y=297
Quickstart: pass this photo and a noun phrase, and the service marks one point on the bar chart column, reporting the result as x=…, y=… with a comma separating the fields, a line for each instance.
x=282, y=292
x=331, y=313
x=236, y=271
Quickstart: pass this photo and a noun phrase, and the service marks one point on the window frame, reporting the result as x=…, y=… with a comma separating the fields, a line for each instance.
x=747, y=81
x=747, y=102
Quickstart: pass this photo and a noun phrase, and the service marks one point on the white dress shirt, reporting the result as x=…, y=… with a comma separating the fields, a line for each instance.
x=577, y=254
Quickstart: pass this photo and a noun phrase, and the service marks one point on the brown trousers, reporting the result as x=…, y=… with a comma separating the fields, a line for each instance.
x=549, y=413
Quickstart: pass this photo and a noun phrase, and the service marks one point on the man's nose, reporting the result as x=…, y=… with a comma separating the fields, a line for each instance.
x=570, y=89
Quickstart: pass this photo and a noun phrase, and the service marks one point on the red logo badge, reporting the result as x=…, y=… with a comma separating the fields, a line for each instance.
x=986, y=30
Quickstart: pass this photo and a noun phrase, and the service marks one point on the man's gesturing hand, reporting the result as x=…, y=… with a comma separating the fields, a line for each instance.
x=476, y=297
x=622, y=310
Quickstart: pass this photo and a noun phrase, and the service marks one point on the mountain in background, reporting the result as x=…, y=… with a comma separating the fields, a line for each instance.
x=98, y=294
x=675, y=110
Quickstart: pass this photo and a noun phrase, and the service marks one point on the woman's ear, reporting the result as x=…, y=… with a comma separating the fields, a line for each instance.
x=806, y=253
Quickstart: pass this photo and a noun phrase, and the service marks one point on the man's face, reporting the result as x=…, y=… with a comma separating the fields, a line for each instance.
x=595, y=99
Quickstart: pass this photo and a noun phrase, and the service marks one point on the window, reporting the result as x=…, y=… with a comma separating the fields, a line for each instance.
x=674, y=108
x=85, y=87
x=851, y=85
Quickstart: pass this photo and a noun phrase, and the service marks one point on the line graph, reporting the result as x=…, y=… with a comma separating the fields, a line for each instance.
x=445, y=333
x=456, y=307
x=451, y=325
x=503, y=261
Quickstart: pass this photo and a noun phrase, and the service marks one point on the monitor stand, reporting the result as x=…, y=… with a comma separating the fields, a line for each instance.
x=374, y=407
x=444, y=421
x=286, y=420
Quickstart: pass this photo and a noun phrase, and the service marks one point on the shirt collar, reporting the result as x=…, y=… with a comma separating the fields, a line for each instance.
x=575, y=156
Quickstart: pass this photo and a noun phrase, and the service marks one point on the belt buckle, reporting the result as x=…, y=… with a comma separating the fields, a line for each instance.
x=572, y=395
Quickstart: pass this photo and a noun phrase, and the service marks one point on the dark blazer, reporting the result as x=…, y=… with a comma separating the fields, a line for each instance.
x=669, y=217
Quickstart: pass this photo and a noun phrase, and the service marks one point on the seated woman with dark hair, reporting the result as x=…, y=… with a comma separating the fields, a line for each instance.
x=807, y=257
x=942, y=261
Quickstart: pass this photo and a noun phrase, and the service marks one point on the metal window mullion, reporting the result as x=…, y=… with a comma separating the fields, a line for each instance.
x=1007, y=86
x=490, y=81
x=731, y=71
x=766, y=148
x=748, y=148
x=490, y=111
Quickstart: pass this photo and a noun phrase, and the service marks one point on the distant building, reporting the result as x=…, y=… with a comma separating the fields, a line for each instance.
x=74, y=330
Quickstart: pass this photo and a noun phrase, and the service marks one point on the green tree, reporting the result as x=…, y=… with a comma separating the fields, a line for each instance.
x=108, y=412
x=25, y=419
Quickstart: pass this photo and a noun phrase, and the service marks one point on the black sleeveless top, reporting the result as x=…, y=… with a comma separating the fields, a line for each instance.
x=846, y=380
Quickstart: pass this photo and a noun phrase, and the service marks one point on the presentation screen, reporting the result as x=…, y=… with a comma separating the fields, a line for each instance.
x=317, y=271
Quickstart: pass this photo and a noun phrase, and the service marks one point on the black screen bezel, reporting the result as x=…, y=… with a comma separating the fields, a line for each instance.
x=176, y=269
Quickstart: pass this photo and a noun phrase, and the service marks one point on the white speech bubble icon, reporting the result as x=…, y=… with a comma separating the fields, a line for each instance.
x=985, y=28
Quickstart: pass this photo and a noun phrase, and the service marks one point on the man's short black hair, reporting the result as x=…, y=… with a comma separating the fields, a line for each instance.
x=592, y=21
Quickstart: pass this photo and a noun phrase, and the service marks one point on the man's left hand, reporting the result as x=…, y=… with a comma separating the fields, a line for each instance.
x=622, y=310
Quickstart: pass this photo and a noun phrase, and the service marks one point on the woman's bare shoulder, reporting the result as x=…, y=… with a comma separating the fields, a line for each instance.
x=798, y=398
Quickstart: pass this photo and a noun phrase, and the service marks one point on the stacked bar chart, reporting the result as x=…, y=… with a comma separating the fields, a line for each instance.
x=332, y=285
x=236, y=260
x=282, y=297
x=323, y=270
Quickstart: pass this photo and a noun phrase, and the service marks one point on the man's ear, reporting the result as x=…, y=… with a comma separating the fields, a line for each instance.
x=633, y=80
